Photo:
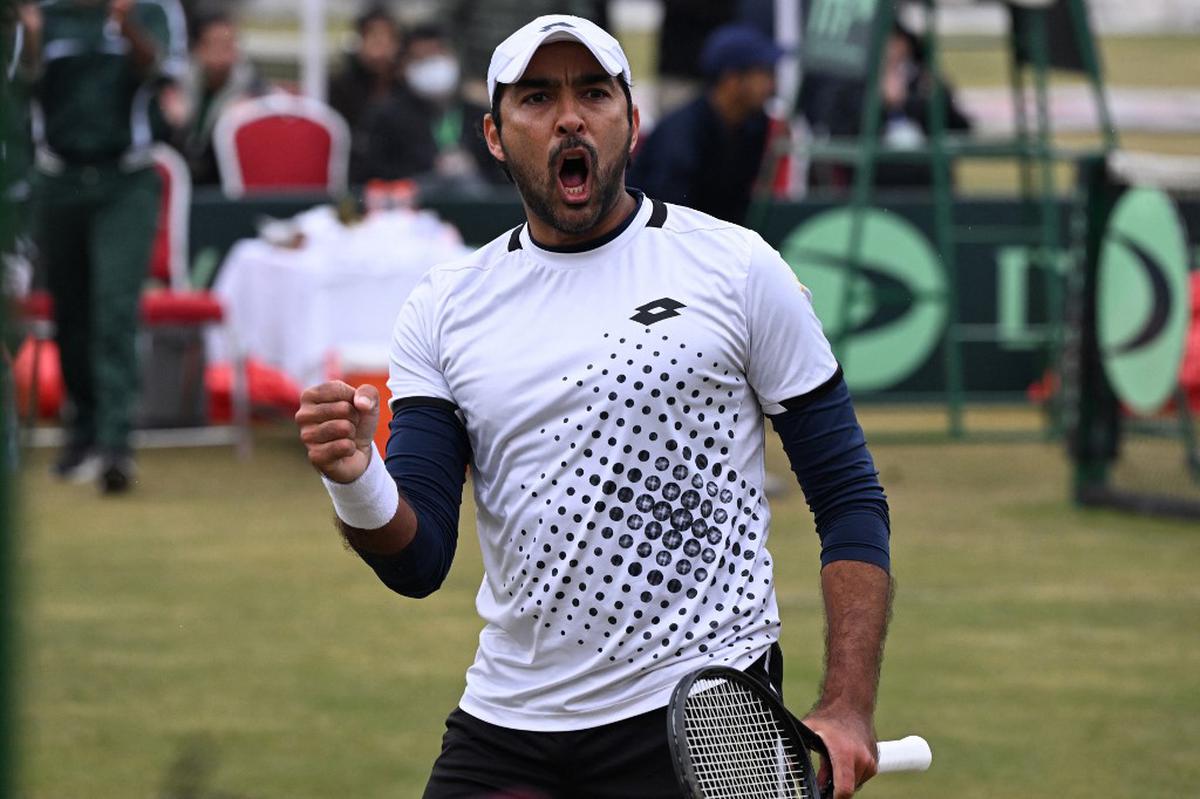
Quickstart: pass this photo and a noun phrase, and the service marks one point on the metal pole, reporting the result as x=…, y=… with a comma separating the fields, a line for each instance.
x=313, y=64
x=1050, y=247
x=943, y=225
x=8, y=427
x=787, y=36
x=863, y=187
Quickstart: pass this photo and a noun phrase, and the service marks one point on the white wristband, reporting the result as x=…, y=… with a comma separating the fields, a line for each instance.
x=369, y=502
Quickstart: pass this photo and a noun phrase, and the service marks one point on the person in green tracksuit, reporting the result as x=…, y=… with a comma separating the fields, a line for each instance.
x=96, y=67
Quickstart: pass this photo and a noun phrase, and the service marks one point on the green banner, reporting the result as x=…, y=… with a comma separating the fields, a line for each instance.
x=890, y=333
x=1143, y=306
x=884, y=311
x=884, y=317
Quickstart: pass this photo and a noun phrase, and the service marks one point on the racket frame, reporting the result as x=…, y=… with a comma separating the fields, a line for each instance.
x=803, y=739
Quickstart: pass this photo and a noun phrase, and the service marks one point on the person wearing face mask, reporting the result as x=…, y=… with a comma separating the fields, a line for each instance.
x=428, y=130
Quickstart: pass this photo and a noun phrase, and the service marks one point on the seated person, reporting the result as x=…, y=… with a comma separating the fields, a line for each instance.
x=219, y=76
x=905, y=89
x=428, y=130
x=707, y=154
x=370, y=77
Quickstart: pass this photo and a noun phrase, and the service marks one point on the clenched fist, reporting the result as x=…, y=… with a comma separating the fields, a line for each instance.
x=337, y=425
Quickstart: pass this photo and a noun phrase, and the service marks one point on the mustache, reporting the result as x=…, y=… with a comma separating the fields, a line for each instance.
x=571, y=143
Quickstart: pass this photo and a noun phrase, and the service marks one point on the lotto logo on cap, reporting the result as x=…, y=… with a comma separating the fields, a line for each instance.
x=512, y=56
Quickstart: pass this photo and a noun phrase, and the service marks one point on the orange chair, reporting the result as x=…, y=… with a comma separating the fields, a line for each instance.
x=281, y=142
x=170, y=302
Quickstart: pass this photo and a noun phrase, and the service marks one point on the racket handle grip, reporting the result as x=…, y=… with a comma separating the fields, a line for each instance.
x=907, y=754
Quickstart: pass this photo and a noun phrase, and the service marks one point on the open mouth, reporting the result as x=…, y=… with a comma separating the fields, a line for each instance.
x=573, y=172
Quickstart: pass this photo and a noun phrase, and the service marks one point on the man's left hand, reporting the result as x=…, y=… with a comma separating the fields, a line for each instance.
x=850, y=739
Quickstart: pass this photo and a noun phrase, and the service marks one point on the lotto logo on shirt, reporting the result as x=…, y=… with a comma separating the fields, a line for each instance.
x=657, y=311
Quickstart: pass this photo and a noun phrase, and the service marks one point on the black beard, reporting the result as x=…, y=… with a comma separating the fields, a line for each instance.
x=539, y=193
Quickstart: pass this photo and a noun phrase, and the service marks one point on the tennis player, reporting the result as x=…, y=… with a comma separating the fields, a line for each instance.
x=605, y=369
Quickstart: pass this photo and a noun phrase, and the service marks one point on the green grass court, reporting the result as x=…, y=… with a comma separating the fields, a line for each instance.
x=208, y=637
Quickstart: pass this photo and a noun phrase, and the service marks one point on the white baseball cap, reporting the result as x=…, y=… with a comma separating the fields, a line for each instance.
x=512, y=56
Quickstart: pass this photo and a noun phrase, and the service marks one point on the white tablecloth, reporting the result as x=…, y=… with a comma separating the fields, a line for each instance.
x=335, y=299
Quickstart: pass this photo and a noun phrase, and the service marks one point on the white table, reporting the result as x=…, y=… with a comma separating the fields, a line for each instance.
x=335, y=299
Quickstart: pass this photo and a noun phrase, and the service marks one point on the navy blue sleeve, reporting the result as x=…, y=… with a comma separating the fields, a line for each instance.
x=427, y=455
x=828, y=452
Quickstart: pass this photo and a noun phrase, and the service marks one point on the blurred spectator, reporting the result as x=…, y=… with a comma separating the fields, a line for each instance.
x=686, y=25
x=370, y=77
x=707, y=154
x=219, y=76
x=95, y=205
x=427, y=129
x=479, y=25
x=905, y=86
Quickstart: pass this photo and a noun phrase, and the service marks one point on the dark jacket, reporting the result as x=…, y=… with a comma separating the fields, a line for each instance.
x=352, y=93
x=693, y=159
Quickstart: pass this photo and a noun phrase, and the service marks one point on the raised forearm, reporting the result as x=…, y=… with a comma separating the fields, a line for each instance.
x=142, y=49
x=391, y=539
x=29, y=16
x=141, y=46
x=428, y=452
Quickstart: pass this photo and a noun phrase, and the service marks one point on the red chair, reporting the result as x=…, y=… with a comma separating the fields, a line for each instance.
x=281, y=142
x=169, y=258
x=170, y=302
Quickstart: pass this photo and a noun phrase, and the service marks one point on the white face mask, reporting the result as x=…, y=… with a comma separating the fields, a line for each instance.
x=433, y=78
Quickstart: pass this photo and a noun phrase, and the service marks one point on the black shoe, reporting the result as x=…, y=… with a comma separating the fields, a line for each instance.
x=117, y=475
x=77, y=463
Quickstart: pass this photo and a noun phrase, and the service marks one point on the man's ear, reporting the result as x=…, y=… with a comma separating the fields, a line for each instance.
x=491, y=134
x=636, y=127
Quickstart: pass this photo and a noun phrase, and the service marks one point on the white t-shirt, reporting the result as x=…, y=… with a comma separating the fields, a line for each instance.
x=614, y=401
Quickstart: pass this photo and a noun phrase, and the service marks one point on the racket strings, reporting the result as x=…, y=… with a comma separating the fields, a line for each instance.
x=738, y=748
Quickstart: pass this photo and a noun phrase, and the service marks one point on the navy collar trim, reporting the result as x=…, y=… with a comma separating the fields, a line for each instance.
x=658, y=214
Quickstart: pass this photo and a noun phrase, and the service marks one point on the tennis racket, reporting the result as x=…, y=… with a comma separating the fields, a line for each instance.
x=731, y=737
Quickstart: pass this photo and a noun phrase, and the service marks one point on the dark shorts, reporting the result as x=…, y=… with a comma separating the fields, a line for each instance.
x=628, y=759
